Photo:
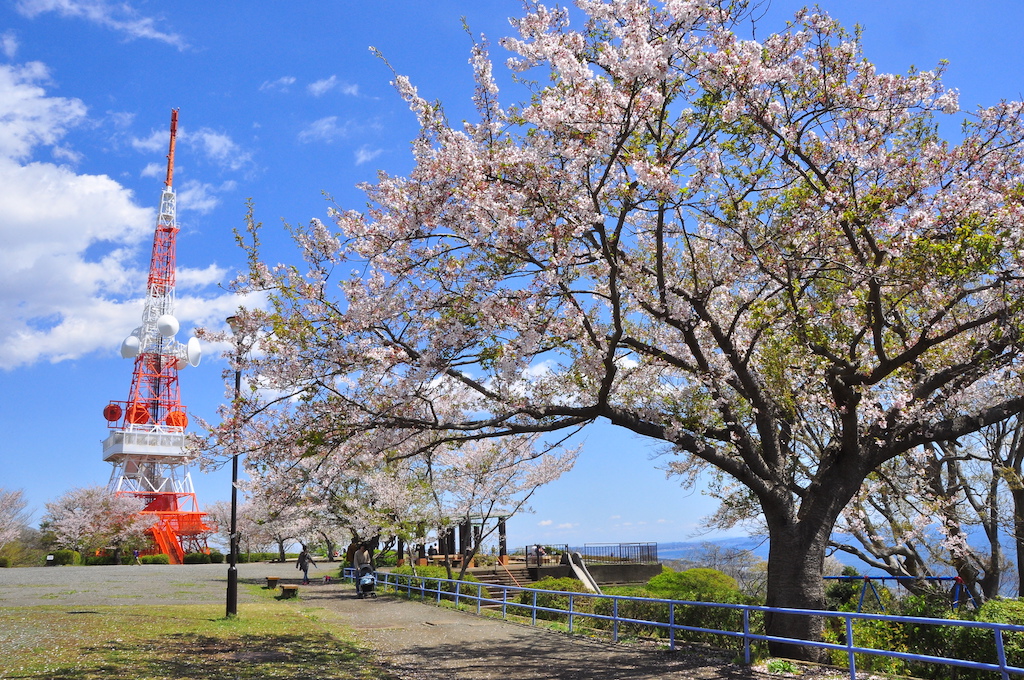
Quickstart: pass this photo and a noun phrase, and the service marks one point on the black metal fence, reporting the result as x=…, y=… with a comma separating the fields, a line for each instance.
x=592, y=553
x=618, y=553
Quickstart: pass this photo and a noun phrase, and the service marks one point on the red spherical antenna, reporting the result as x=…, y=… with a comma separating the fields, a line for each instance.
x=112, y=412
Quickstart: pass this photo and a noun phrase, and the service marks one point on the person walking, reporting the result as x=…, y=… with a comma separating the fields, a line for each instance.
x=362, y=559
x=305, y=559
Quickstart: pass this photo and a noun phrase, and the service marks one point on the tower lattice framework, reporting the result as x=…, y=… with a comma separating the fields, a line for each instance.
x=146, y=443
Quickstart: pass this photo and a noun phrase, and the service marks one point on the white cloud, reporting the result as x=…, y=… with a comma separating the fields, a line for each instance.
x=197, y=197
x=545, y=523
x=322, y=87
x=122, y=120
x=68, y=155
x=365, y=155
x=567, y=525
x=218, y=147
x=154, y=170
x=116, y=15
x=194, y=196
x=27, y=117
x=9, y=44
x=211, y=275
x=324, y=130
x=56, y=302
x=282, y=84
x=156, y=141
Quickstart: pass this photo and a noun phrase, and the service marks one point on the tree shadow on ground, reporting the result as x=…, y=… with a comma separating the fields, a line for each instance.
x=244, y=657
x=532, y=656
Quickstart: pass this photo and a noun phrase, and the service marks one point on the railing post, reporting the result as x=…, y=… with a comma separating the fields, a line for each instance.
x=534, y=610
x=615, y=620
x=672, y=626
x=746, y=636
x=849, y=645
x=479, y=596
x=1001, y=653
x=570, y=613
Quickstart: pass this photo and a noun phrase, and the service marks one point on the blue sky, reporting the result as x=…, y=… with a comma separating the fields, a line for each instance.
x=283, y=103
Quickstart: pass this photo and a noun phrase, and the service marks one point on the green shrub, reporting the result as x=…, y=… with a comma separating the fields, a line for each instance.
x=431, y=575
x=5, y=562
x=155, y=559
x=244, y=557
x=971, y=644
x=842, y=595
x=196, y=558
x=387, y=558
x=64, y=557
x=646, y=610
x=699, y=585
x=99, y=560
x=216, y=557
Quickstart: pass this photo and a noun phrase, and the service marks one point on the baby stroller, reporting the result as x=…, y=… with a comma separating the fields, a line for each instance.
x=366, y=582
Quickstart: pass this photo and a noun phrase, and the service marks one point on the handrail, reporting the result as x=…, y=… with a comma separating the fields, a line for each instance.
x=510, y=575
x=409, y=583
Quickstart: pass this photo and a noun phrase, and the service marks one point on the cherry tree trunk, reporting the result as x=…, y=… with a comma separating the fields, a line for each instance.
x=796, y=561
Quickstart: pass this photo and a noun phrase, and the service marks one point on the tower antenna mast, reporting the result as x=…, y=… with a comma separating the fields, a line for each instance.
x=146, y=440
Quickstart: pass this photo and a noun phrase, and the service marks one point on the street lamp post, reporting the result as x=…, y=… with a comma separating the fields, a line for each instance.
x=232, y=596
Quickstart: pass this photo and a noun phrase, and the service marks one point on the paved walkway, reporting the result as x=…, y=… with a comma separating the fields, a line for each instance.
x=418, y=641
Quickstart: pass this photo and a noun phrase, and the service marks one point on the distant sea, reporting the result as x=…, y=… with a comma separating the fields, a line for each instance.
x=683, y=550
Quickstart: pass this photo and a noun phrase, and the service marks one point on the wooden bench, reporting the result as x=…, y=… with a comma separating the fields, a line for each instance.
x=289, y=591
x=272, y=582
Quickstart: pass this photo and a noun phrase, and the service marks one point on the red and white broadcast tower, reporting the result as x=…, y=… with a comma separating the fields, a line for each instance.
x=146, y=444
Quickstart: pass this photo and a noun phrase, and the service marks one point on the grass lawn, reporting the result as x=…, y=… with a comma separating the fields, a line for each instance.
x=269, y=639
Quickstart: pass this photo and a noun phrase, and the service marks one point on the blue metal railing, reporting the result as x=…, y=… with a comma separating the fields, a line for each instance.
x=482, y=593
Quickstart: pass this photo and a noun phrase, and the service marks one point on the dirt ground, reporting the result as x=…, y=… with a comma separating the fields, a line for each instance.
x=418, y=641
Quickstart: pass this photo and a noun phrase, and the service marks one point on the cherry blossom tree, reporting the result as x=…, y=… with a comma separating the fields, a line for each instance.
x=13, y=518
x=251, y=534
x=90, y=519
x=480, y=481
x=760, y=254
x=944, y=509
x=914, y=518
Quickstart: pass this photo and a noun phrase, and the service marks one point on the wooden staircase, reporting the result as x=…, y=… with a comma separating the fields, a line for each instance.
x=503, y=576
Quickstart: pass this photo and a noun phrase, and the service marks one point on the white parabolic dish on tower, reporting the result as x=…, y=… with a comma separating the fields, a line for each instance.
x=193, y=351
x=167, y=325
